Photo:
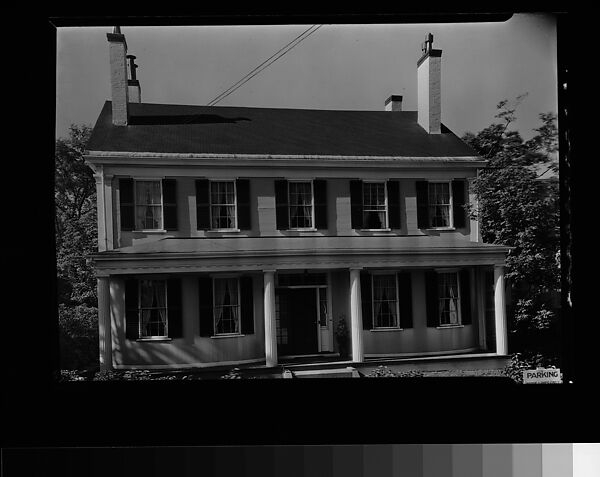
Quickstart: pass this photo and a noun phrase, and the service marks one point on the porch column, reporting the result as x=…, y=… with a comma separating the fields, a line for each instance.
x=356, y=316
x=500, y=311
x=270, y=326
x=104, y=334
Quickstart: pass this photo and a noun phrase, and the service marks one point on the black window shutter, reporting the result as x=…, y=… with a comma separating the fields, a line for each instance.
x=458, y=203
x=393, y=191
x=126, y=204
x=422, y=204
x=366, y=297
x=205, y=296
x=242, y=187
x=202, y=204
x=405, y=297
x=170, y=203
x=432, y=299
x=465, y=296
x=132, y=331
x=320, y=192
x=356, y=204
x=281, y=205
x=175, y=309
x=247, y=305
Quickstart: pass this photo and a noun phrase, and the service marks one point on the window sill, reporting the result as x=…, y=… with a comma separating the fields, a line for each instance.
x=212, y=231
x=159, y=338
x=384, y=330
x=445, y=327
x=232, y=335
x=441, y=229
x=312, y=229
x=374, y=230
x=150, y=231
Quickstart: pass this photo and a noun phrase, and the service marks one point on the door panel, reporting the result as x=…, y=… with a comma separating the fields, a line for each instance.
x=303, y=321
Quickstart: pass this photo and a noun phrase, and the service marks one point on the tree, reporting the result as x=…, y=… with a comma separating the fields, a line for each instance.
x=518, y=209
x=76, y=238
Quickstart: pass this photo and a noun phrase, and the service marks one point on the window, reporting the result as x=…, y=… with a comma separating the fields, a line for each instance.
x=148, y=205
x=440, y=203
x=448, y=293
x=152, y=309
x=223, y=205
x=226, y=311
x=385, y=301
x=300, y=195
x=374, y=205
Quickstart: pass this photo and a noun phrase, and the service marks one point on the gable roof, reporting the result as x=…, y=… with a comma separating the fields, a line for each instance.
x=169, y=128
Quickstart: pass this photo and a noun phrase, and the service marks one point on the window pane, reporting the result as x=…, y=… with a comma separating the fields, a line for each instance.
x=385, y=301
x=226, y=308
x=439, y=204
x=222, y=197
x=147, y=192
x=153, y=308
x=374, y=209
x=448, y=296
x=300, y=205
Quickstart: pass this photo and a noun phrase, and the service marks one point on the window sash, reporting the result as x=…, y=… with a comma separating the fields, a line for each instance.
x=223, y=205
x=301, y=205
x=226, y=306
x=440, y=205
x=385, y=306
x=449, y=299
x=148, y=200
x=375, y=205
x=153, y=316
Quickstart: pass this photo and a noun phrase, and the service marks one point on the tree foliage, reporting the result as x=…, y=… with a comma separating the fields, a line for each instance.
x=76, y=238
x=518, y=209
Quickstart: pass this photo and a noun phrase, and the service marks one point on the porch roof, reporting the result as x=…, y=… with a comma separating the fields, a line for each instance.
x=199, y=254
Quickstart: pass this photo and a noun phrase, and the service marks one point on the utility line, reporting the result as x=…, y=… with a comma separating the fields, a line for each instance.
x=269, y=61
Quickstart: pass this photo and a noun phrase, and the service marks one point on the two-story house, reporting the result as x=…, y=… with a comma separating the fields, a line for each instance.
x=232, y=235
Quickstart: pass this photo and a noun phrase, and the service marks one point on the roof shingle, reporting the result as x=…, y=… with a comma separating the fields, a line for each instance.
x=167, y=128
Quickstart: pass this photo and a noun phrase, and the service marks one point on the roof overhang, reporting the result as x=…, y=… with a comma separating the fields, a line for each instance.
x=152, y=159
x=326, y=258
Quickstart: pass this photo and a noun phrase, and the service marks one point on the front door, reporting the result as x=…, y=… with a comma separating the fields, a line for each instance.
x=303, y=322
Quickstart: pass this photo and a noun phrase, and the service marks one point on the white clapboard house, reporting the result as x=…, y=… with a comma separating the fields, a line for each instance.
x=234, y=235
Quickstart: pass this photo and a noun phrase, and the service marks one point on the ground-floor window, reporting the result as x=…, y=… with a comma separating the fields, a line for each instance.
x=385, y=301
x=226, y=306
x=152, y=309
x=448, y=293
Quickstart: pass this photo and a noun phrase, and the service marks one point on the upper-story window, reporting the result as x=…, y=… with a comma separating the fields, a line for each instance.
x=300, y=194
x=440, y=204
x=148, y=205
x=301, y=204
x=223, y=205
x=375, y=205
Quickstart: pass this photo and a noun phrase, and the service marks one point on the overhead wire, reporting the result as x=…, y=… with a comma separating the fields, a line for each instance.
x=265, y=64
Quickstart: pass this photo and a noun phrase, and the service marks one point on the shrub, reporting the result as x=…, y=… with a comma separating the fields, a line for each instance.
x=521, y=361
x=341, y=336
x=78, y=336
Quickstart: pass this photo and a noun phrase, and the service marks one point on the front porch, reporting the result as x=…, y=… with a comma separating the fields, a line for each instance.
x=403, y=306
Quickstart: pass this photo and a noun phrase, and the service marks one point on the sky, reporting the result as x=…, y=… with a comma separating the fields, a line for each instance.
x=343, y=67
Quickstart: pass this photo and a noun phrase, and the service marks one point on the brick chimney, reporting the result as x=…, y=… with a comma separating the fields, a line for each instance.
x=429, y=75
x=393, y=103
x=117, y=48
x=133, y=84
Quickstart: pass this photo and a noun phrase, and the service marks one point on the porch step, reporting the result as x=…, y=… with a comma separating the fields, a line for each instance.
x=348, y=372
